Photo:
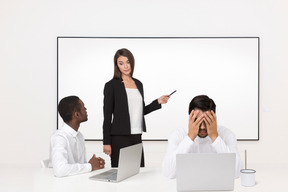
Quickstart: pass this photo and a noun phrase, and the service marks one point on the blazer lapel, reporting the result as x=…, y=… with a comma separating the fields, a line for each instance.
x=139, y=87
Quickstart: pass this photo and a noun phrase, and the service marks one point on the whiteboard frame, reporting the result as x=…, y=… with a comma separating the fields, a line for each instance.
x=161, y=139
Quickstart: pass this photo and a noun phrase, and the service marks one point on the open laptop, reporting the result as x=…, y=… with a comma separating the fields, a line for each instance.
x=129, y=165
x=205, y=171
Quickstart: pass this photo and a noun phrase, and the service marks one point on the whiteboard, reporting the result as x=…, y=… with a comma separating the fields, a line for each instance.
x=224, y=68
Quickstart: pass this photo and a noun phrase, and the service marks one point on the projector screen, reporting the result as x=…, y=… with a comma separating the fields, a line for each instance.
x=224, y=68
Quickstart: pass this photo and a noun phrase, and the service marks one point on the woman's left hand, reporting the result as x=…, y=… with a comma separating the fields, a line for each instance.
x=163, y=99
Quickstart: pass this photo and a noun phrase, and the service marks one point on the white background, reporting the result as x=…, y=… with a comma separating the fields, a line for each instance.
x=225, y=69
x=28, y=80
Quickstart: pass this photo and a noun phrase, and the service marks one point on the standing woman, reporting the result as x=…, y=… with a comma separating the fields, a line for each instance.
x=124, y=108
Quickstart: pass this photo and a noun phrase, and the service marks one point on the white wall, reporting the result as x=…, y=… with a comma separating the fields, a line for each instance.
x=28, y=62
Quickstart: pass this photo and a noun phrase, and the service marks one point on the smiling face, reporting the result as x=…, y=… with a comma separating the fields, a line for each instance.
x=124, y=65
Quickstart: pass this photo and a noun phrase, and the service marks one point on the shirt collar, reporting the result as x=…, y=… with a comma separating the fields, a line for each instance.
x=203, y=140
x=70, y=130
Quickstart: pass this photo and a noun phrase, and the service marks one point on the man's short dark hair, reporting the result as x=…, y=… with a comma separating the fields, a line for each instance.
x=202, y=102
x=68, y=106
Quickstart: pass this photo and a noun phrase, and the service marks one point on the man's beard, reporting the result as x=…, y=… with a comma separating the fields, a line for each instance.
x=202, y=136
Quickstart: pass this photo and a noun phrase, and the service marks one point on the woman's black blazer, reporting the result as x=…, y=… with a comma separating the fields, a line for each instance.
x=116, y=105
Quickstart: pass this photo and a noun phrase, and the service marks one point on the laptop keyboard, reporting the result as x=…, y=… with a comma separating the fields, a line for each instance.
x=111, y=174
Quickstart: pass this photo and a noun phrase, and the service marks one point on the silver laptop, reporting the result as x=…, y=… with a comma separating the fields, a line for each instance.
x=205, y=171
x=129, y=165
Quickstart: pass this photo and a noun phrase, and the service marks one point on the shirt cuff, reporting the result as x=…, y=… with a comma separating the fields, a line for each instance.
x=217, y=140
x=186, y=145
x=218, y=145
x=88, y=167
x=188, y=140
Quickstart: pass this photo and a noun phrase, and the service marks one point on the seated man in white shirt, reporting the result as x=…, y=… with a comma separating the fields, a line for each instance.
x=202, y=135
x=67, y=147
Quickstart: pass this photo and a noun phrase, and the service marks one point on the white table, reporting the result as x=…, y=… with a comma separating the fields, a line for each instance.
x=29, y=179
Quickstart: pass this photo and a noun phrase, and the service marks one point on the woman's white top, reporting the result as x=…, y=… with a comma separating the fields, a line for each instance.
x=135, y=105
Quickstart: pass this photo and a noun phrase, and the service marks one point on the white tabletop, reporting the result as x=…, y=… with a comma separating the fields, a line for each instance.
x=24, y=179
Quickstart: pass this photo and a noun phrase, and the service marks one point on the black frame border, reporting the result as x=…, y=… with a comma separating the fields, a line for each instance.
x=71, y=37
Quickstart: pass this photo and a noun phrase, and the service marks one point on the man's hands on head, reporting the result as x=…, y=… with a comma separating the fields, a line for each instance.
x=194, y=124
x=211, y=124
x=96, y=163
x=204, y=121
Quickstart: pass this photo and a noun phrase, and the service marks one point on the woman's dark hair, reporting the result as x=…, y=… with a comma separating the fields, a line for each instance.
x=67, y=106
x=202, y=102
x=126, y=53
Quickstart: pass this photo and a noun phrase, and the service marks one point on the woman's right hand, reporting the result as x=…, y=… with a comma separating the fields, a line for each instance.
x=107, y=149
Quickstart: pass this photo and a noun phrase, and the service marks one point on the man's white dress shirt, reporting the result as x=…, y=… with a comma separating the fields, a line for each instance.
x=180, y=143
x=68, y=153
